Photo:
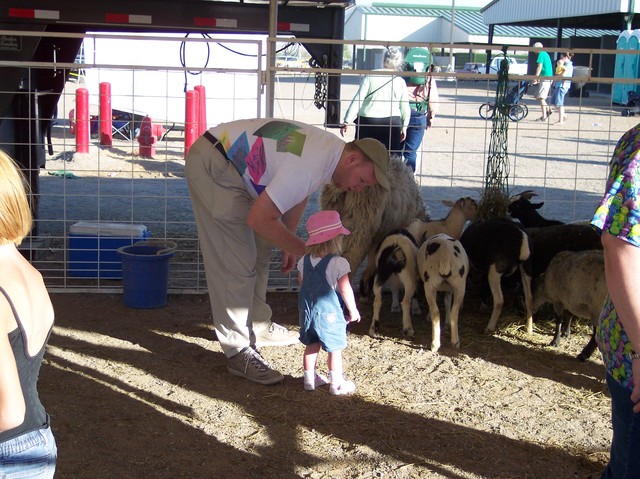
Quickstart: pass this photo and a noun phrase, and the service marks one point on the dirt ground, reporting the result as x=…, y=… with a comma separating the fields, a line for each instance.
x=145, y=394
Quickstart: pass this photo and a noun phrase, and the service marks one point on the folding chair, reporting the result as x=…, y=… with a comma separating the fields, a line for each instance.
x=121, y=124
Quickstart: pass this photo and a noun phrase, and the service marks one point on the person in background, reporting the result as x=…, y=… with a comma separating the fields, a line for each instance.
x=618, y=330
x=424, y=101
x=380, y=107
x=544, y=68
x=249, y=182
x=564, y=67
x=27, y=445
x=322, y=322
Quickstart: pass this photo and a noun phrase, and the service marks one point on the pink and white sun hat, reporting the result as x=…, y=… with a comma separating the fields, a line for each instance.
x=323, y=226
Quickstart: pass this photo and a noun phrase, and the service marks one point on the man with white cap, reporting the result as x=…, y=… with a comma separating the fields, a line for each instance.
x=249, y=182
x=544, y=68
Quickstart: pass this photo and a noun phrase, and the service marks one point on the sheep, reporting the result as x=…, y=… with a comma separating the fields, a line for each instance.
x=523, y=210
x=497, y=247
x=395, y=260
x=372, y=214
x=463, y=210
x=443, y=265
x=396, y=265
x=574, y=282
x=549, y=241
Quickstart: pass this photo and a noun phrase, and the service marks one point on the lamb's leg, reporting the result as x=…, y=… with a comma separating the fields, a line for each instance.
x=430, y=294
x=498, y=298
x=409, y=291
x=447, y=307
x=528, y=298
x=555, y=342
x=455, y=306
x=395, y=297
x=377, y=304
x=588, y=350
x=561, y=317
x=566, y=325
x=415, y=306
x=368, y=274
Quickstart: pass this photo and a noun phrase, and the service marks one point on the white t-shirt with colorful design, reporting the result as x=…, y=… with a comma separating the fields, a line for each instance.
x=289, y=159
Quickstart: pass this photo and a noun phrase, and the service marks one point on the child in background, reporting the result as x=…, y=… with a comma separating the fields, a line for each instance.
x=322, y=322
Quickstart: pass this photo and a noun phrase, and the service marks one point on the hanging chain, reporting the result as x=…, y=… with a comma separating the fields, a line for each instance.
x=320, y=96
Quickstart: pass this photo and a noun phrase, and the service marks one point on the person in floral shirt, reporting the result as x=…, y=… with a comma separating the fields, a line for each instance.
x=618, y=332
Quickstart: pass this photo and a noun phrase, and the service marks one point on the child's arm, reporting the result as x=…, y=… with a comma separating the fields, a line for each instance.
x=344, y=286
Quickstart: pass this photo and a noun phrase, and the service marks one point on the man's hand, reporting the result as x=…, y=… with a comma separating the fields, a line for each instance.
x=288, y=262
x=343, y=129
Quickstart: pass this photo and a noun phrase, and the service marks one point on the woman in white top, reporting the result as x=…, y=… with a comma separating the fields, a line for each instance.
x=380, y=107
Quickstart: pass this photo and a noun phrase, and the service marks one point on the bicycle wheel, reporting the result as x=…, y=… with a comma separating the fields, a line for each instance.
x=486, y=111
x=518, y=112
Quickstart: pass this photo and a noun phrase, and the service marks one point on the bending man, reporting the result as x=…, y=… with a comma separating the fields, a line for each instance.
x=249, y=182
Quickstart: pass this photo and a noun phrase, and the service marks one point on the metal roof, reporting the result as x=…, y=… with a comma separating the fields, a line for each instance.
x=471, y=22
x=605, y=14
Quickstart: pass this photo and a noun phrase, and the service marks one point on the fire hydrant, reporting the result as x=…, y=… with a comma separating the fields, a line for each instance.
x=148, y=136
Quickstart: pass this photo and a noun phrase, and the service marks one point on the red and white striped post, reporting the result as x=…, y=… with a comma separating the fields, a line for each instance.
x=202, y=109
x=82, y=120
x=106, y=115
x=190, y=120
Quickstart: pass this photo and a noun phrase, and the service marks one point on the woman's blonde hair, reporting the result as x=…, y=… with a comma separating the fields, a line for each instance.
x=15, y=213
x=320, y=250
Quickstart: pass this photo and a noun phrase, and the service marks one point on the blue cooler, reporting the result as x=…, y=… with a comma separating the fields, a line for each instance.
x=93, y=248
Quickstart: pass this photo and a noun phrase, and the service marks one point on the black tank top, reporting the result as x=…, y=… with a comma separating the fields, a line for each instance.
x=28, y=371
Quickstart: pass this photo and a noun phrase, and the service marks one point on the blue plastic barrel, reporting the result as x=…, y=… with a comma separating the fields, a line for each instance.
x=145, y=273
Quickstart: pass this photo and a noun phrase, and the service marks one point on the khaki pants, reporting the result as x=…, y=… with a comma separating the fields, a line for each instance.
x=236, y=260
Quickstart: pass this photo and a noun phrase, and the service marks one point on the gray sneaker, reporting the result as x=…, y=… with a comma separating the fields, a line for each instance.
x=250, y=365
x=276, y=335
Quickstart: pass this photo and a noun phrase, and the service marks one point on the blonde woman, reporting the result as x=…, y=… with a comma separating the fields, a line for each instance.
x=380, y=107
x=27, y=446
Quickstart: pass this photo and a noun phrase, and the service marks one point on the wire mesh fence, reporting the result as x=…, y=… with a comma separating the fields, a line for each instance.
x=565, y=164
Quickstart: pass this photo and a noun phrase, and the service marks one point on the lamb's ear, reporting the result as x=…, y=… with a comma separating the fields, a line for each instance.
x=537, y=206
x=448, y=203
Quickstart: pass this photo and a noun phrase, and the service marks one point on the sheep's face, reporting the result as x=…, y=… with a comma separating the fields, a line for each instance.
x=469, y=207
x=522, y=207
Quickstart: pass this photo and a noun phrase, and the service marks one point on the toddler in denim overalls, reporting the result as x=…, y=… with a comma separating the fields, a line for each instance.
x=322, y=322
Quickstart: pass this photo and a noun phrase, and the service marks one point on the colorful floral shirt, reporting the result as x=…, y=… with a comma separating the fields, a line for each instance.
x=618, y=214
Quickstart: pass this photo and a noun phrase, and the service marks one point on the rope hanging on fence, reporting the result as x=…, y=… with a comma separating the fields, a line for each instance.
x=496, y=189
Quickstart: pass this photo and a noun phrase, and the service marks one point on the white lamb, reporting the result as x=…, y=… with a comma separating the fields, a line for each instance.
x=396, y=266
x=443, y=266
x=395, y=260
